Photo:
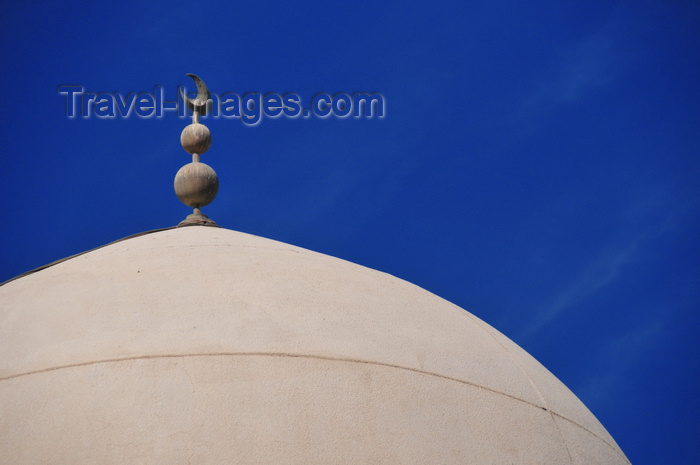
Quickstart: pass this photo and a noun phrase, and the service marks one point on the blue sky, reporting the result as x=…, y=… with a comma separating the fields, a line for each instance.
x=538, y=164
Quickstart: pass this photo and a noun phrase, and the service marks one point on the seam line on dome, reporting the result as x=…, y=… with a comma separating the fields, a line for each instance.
x=270, y=354
x=317, y=357
x=614, y=448
x=291, y=355
x=534, y=386
x=276, y=354
x=267, y=354
x=539, y=393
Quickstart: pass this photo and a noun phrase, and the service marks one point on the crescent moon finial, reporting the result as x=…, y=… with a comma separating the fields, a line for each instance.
x=199, y=104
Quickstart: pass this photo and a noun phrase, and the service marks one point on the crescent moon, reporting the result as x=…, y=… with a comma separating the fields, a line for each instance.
x=200, y=102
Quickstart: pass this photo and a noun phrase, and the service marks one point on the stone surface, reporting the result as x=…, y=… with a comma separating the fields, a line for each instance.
x=196, y=184
x=203, y=345
x=195, y=138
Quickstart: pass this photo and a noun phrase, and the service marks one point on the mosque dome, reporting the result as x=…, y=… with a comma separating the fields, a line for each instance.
x=201, y=345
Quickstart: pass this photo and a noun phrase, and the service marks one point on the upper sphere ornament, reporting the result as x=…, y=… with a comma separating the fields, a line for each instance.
x=195, y=138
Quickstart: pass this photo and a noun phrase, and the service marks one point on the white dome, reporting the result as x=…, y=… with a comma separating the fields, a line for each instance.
x=200, y=345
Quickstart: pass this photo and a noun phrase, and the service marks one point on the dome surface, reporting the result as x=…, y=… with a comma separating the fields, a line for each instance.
x=201, y=345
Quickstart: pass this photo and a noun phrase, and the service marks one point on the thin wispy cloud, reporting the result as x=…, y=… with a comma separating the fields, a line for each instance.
x=572, y=74
x=618, y=356
x=608, y=265
x=601, y=272
x=587, y=65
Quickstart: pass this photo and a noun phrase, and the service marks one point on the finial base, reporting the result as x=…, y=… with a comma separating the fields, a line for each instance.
x=197, y=219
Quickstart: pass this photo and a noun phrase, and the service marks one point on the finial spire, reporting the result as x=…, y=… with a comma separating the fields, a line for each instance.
x=196, y=184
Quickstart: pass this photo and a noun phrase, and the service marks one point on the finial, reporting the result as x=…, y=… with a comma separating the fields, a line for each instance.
x=196, y=184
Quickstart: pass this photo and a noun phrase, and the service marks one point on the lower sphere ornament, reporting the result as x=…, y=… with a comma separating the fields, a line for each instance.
x=196, y=184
